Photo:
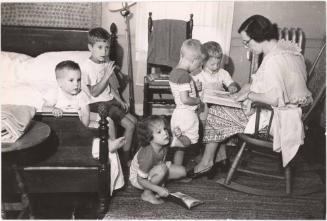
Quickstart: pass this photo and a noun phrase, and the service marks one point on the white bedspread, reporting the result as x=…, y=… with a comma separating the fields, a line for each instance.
x=116, y=172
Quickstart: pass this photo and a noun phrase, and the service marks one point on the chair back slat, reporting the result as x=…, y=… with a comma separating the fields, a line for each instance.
x=294, y=34
x=316, y=84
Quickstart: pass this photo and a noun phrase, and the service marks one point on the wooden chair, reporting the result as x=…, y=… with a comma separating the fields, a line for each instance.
x=156, y=81
x=261, y=143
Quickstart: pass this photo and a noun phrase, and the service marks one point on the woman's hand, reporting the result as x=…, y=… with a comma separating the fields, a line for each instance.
x=242, y=96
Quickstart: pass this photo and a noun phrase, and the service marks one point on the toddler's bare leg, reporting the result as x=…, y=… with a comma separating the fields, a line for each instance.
x=176, y=172
x=112, y=128
x=182, y=143
x=179, y=157
x=129, y=126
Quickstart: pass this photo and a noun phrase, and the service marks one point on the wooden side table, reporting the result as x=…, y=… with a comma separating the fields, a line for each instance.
x=37, y=133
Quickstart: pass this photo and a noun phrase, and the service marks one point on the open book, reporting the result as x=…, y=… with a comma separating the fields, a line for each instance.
x=221, y=98
x=184, y=200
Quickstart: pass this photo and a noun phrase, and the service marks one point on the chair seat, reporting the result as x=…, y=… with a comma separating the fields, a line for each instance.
x=249, y=138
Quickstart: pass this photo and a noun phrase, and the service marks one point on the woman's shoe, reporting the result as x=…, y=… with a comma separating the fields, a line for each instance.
x=204, y=172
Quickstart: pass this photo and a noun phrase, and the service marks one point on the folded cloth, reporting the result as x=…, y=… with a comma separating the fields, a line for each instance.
x=165, y=41
x=288, y=132
x=14, y=121
x=116, y=172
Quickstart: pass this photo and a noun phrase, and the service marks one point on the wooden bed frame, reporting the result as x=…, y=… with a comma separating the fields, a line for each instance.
x=64, y=162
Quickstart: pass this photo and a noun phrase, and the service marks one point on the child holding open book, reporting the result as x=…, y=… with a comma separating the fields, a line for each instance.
x=149, y=170
x=213, y=77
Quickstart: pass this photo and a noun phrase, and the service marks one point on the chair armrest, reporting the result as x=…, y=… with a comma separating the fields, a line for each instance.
x=261, y=105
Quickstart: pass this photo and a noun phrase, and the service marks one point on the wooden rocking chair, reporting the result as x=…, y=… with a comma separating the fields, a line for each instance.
x=262, y=144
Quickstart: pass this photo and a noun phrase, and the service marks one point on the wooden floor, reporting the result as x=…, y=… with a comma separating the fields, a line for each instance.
x=220, y=202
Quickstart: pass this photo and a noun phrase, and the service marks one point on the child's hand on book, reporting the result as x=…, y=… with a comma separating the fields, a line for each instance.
x=57, y=112
x=232, y=89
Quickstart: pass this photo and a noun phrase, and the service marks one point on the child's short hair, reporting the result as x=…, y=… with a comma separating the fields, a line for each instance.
x=98, y=35
x=211, y=49
x=144, y=129
x=192, y=49
x=66, y=65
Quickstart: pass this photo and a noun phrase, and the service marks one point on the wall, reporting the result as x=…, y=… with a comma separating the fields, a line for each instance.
x=59, y=14
x=310, y=16
x=108, y=18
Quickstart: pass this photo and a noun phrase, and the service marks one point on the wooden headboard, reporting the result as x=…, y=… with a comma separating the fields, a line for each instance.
x=37, y=40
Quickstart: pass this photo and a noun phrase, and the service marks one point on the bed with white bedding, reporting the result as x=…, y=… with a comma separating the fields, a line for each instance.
x=63, y=163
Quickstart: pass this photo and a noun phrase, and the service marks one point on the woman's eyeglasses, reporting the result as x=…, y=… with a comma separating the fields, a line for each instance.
x=246, y=43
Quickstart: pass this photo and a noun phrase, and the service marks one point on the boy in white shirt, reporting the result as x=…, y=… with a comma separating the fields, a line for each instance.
x=97, y=72
x=69, y=97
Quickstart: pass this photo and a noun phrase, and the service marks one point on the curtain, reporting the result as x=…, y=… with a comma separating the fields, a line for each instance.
x=212, y=21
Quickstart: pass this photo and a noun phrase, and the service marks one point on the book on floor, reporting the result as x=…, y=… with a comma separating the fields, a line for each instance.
x=184, y=200
x=221, y=98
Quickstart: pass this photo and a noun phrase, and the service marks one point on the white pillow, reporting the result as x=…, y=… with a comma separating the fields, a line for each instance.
x=22, y=94
x=41, y=71
x=11, y=64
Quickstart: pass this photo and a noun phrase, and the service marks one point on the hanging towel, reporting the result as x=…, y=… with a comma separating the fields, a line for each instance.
x=116, y=172
x=165, y=41
x=14, y=121
x=288, y=132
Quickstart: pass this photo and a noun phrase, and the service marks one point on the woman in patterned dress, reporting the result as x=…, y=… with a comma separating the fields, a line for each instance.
x=279, y=81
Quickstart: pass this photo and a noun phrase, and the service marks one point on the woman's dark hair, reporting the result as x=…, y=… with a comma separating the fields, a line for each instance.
x=259, y=28
x=144, y=129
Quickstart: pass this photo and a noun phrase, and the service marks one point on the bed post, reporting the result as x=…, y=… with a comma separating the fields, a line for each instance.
x=104, y=178
x=189, y=27
x=113, y=42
